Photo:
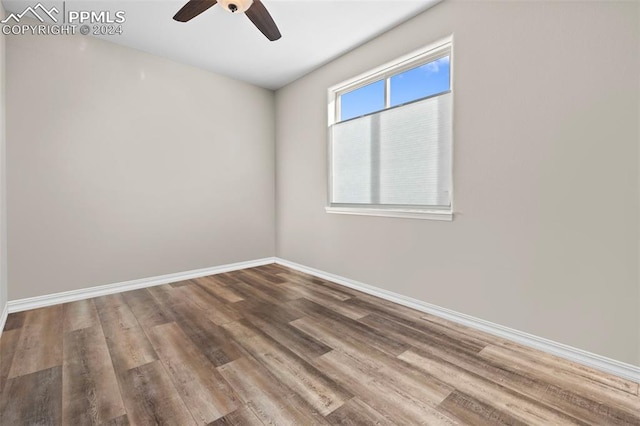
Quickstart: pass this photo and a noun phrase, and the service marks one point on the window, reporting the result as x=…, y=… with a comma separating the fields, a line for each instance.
x=362, y=101
x=390, y=144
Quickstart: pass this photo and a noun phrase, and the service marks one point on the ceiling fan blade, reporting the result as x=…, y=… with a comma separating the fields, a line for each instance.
x=192, y=9
x=261, y=18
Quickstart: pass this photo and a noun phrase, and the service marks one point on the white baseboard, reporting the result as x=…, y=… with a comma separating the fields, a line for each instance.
x=620, y=369
x=88, y=293
x=580, y=356
x=3, y=317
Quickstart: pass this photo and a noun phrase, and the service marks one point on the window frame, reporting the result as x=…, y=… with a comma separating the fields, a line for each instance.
x=423, y=56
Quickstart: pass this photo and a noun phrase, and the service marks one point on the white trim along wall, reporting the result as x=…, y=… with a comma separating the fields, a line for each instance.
x=103, y=290
x=579, y=356
x=3, y=317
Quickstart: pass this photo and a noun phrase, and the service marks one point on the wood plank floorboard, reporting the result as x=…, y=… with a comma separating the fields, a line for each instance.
x=417, y=338
x=265, y=275
x=219, y=289
x=211, y=339
x=272, y=345
x=15, y=320
x=128, y=344
x=120, y=421
x=520, y=406
x=269, y=399
x=291, y=337
x=207, y=395
x=33, y=399
x=327, y=300
x=40, y=343
x=80, y=314
x=241, y=417
x=312, y=385
x=8, y=344
x=468, y=410
x=250, y=293
x=352, y=329
x=317, y=286
x=218, y=312
x=403, y=320
x=90, y=392
x=559, y=370
x=181, y=284
x=227, y=278
x=355, y=412
x=151, y=398
x=398, y=405
x=146, y=309
x=275, y=313
x=274, y=291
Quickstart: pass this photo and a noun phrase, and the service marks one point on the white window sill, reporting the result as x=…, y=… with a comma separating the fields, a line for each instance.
x=446, y=215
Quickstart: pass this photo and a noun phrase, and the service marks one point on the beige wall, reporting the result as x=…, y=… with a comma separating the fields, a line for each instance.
x=123, y=165
x=545, y=236
x=3, y=181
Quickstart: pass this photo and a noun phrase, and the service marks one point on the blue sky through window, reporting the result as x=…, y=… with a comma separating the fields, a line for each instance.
x=420, y=82
x=417, y=83
x=364, y=100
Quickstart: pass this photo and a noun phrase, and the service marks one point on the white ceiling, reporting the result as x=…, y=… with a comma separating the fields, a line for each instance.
x=313, y=33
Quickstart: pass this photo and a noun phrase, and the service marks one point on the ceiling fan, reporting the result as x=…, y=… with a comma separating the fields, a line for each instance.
x=254, y=9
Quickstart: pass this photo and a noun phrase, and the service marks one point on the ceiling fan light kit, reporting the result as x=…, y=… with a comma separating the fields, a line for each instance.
x=254, y=9
x=235, y=6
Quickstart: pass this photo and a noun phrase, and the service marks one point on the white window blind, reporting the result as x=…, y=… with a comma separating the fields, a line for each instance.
x=396, y=157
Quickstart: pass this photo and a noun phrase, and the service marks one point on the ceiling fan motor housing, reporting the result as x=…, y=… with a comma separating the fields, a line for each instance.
x=236, y=6
x=255, y=11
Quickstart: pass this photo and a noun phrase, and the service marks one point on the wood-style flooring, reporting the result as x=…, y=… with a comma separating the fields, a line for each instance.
x=270, y=345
